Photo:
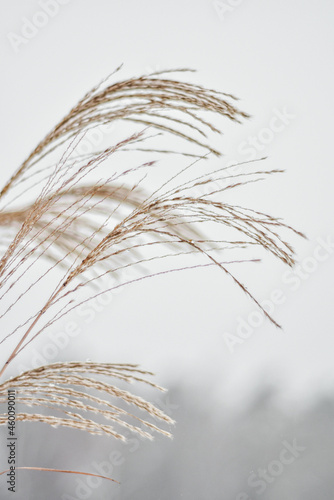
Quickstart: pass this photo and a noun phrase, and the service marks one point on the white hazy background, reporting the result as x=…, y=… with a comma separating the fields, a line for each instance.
x=274, y=56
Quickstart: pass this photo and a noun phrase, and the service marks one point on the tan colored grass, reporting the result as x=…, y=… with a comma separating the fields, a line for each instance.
x=92, y=231
x=63, y=387
x=145, y=100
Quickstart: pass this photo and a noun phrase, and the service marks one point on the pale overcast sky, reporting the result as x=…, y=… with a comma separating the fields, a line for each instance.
x=275, y=56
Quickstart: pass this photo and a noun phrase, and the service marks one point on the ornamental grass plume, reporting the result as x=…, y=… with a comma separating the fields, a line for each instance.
x=71, y=229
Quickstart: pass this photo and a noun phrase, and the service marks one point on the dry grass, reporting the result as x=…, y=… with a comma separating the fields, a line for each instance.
x=145, y=100
x=91, y=233
x=66, y=389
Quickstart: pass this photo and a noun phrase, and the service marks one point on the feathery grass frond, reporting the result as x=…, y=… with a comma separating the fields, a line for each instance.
x=68, y=389
x=94, y=232
x=83, y=233
x=147, y=101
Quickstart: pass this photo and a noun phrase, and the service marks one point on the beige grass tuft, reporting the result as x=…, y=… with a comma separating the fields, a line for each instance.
x=82, y=231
